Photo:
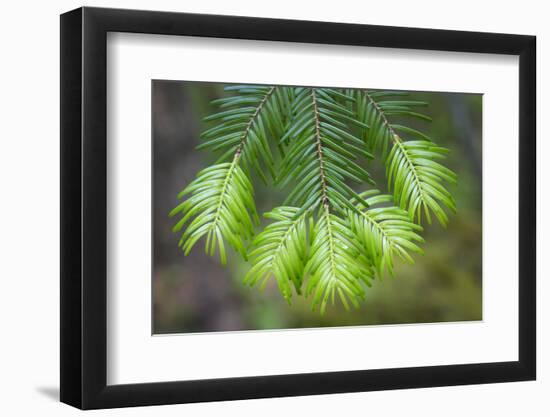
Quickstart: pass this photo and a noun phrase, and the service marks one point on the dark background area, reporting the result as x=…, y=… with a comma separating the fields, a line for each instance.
x=195, y=293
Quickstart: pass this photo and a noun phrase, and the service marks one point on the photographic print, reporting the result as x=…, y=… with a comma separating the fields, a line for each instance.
x=288, y=207
x=211, y=219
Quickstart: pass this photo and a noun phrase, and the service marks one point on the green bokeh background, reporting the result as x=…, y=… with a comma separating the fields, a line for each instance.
x=196, y=294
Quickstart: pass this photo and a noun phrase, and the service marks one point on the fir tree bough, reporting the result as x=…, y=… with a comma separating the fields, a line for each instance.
x=335, y=232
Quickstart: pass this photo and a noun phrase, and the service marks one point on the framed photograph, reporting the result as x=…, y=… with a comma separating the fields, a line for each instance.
x=257, y=208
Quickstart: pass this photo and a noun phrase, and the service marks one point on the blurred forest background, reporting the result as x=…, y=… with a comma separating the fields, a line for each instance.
x=196, y=293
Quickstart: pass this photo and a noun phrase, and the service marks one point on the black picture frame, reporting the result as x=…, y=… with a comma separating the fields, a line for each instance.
x=84, y=207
